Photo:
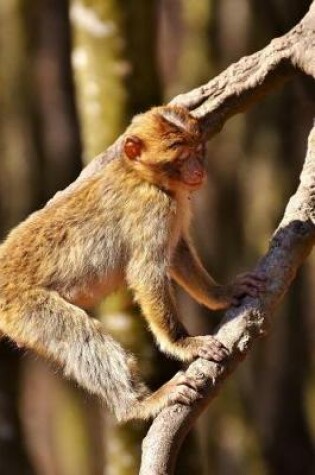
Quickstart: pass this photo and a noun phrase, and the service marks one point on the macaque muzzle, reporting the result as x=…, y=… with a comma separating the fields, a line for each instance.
x=193, y=171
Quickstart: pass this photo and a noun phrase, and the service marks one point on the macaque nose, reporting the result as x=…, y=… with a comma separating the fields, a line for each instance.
x=198, y=173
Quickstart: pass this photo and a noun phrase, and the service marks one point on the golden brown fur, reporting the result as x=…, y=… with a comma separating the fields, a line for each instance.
x=128, y=224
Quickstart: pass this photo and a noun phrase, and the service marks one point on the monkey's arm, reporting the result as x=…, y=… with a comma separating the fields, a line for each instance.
x=188, y=271
x=152, y=287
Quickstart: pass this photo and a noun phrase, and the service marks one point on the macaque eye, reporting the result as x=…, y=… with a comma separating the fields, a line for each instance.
x=176, y=144
x=185, y=155
x=133, y=147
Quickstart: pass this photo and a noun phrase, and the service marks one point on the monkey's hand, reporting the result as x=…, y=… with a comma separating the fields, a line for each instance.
x=249, y=283
x=206, y=347
x=182, y=389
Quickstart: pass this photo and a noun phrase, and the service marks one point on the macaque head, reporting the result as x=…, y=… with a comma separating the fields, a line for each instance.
x=166, y=147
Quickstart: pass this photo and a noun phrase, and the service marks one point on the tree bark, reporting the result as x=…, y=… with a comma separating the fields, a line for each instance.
x=292, y=242
x=289, y=247
x=40, y=145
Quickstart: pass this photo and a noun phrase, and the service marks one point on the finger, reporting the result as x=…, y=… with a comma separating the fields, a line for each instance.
x=188, y=382
x=211, y=355
x=216, y=346
x=251, y=292
x=186, y=396
x=246, y=289
x=253, y=275
x=251, y=281
x=182, y=399
x=223, y=351
x=215, y=342
x=188, y=392
x=257, y=284
x=220, y=352
x=186, y=400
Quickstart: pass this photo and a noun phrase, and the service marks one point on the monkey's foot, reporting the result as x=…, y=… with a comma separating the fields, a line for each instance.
x=182, y=389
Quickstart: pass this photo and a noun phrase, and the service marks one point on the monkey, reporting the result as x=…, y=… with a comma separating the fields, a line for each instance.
x=126, y=225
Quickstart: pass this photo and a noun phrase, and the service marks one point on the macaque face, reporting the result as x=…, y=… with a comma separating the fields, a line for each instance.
x=183, y=166
x=187, y=168
x=168, y=149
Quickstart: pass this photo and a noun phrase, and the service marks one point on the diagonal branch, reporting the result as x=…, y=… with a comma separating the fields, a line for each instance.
x=232, y=91
x=238, y=87
x=252, y=77
x=289, y=247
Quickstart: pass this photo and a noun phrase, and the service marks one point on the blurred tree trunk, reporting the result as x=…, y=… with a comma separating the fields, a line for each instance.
x=57, y=126
x=100, y=67
x=13, y=167
x=40, y=153
x=13, y=457
x=56, y=129
x=117, y=77
x=16, y=199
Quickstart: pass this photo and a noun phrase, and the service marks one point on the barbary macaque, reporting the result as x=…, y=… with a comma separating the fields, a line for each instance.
x=127, y=224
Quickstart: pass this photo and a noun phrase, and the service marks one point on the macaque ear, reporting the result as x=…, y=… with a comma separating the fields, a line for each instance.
x=133, y=147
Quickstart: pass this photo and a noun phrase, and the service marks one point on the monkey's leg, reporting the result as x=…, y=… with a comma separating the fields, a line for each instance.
x=43, y=321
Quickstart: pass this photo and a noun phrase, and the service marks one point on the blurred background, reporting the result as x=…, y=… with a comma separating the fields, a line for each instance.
x=72, y=74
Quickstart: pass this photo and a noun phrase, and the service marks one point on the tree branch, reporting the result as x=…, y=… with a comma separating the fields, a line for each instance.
x=233, y=91
x=252, y=77
x=289, y=247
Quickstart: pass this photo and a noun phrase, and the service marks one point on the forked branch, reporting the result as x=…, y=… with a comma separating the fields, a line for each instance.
x=233, y=91
x=289, y=247
x=239, y=86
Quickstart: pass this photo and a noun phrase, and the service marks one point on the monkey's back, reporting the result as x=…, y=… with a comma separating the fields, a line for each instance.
x=59, y=243
x=87, y=237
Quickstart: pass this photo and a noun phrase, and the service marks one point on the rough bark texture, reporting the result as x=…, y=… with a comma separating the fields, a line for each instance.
x=239, y=86
x=234, y=90
x=289, y=247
